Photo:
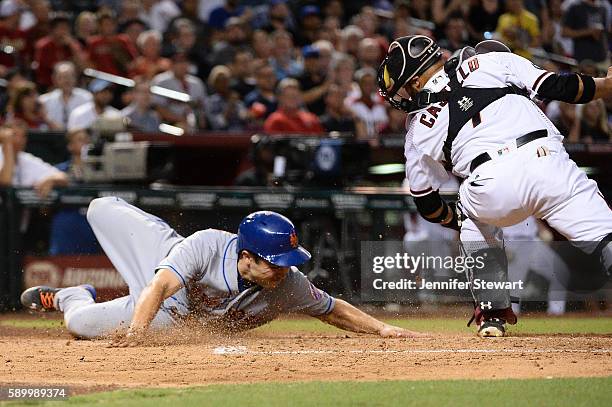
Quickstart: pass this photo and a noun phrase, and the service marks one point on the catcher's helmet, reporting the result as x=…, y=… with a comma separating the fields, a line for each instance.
x=272, y=237
x=406, y=58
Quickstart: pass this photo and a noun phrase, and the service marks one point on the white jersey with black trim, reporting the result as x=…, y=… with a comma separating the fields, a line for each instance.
x=500, y=124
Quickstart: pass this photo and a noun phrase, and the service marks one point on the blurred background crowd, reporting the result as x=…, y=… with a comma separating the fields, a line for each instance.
x=280, y=66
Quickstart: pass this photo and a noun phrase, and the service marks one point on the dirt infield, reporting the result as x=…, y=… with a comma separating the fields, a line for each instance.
x=51, y=356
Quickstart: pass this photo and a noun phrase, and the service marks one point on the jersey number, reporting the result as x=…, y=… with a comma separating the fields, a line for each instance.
x=473, y=64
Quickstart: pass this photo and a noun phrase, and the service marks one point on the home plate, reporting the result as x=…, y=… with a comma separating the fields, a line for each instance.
x=230, y=350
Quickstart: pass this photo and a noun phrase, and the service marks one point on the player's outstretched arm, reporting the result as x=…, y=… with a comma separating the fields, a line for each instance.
x=164, y=284
x=349, y=318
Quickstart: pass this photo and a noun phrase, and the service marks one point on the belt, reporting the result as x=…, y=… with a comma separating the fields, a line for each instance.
x=521, y=141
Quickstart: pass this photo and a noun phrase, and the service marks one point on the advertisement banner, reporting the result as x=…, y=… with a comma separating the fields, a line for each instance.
x=67, y=271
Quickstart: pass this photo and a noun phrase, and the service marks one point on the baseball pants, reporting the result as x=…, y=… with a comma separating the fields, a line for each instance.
x=536, y=179
x=135, y=242
x=509, y=188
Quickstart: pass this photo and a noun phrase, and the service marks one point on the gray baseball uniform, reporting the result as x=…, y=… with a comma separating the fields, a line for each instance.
x=138, y=244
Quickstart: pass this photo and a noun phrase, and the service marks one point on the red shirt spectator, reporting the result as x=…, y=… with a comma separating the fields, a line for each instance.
x=299, y=121
x=11, y=37
x=111, y=52
x=58, y=46
x=150, y=63
x=290, y=117
x=41, y=10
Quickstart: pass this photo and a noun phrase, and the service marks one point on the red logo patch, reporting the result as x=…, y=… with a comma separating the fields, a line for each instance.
x=315, y=292
x=293, y=239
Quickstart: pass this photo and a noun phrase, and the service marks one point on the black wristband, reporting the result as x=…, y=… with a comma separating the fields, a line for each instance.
x=429, y=203
x=588, y=89
x=441, y=216
x=454, y=222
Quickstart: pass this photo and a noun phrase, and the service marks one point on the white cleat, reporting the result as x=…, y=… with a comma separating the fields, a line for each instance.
x=492, y=328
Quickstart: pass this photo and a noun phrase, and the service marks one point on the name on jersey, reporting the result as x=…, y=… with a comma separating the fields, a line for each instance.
x=428, y=118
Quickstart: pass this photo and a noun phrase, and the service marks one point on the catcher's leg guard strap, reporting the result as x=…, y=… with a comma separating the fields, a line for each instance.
x=494, y=268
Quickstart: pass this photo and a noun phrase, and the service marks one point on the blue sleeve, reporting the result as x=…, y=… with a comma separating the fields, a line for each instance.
x=64, y=167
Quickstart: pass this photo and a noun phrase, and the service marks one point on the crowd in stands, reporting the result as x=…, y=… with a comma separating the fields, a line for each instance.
x=281, y=66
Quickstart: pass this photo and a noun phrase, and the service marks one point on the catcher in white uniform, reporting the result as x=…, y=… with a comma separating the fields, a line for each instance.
x=474, y=114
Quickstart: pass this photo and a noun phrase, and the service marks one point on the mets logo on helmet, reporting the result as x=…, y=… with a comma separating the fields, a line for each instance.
x=293, y=239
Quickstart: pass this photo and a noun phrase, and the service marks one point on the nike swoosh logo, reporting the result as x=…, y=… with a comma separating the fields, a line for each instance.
x=474, y=184
x=478, y=180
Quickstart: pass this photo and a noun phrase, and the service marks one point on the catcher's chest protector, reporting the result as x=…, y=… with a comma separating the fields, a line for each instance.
x=465, y=104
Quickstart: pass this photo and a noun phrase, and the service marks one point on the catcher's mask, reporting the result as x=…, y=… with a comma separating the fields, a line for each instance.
x=406, y=58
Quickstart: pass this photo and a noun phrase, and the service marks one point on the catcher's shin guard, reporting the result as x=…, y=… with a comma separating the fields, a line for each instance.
x=490, y=266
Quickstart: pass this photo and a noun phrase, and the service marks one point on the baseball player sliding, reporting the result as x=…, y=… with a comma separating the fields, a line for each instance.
x=233, y=282
x=474, y=114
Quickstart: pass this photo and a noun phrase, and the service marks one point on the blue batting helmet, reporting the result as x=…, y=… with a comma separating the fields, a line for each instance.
x=272, y=237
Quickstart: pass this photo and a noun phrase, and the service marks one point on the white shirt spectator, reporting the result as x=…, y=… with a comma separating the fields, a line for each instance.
x=29, y=169
x=84, y=116
x=206, y=6
x=191, y=85
x=27, y=20
x=374, y=117
x=160, y=14
x=58, y=110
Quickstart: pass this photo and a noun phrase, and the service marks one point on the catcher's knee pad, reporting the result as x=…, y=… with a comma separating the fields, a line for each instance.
x=490, y=267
